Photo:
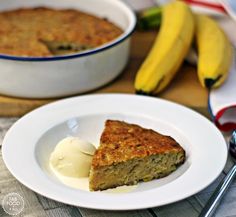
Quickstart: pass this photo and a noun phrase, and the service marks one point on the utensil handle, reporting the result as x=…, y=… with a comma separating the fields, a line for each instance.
x=218, y=194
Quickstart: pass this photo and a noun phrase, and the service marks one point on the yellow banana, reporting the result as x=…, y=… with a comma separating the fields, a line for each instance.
x=169, y=49
x=214, y=52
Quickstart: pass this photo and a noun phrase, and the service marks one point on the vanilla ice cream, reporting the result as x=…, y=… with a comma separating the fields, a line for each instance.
x=72, y=157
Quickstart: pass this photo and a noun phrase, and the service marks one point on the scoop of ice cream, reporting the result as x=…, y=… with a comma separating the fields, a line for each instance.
x=72, y=157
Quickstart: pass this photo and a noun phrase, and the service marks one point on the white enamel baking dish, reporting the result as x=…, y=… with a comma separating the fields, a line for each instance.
x=71, y=74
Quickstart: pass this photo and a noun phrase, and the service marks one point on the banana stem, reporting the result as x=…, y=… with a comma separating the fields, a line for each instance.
x=149, y=18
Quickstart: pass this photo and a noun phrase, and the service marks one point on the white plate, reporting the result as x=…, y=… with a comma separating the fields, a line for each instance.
x=28, y=144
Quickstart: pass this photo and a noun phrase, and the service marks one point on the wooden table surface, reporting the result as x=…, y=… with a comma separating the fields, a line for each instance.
x=184, y=89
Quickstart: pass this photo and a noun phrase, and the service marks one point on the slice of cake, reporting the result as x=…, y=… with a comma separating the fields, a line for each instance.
x=129, y=153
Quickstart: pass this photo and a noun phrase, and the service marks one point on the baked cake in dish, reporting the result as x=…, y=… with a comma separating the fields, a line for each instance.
x=42, y=32
x=129, y=153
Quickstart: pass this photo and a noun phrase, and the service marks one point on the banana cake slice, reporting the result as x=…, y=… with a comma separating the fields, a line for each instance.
x=129, y=153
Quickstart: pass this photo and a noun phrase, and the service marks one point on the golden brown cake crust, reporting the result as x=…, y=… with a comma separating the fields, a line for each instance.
x=121, y=141
x=24, y=31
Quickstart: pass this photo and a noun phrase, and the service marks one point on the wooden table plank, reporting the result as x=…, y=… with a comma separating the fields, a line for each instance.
x=179, y=209
x=48, y=204
x=64, y=212
x=99, y=213
x=5, y=124
x=195, y=203
x=185, y=88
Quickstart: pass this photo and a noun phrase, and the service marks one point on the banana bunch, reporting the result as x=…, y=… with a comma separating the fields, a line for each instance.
x=178, y=27
x=169, y=49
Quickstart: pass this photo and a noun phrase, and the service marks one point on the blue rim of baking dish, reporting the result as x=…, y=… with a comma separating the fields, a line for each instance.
x=111, y=44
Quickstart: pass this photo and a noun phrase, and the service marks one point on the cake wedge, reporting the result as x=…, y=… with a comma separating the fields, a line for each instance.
x=129, y=154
